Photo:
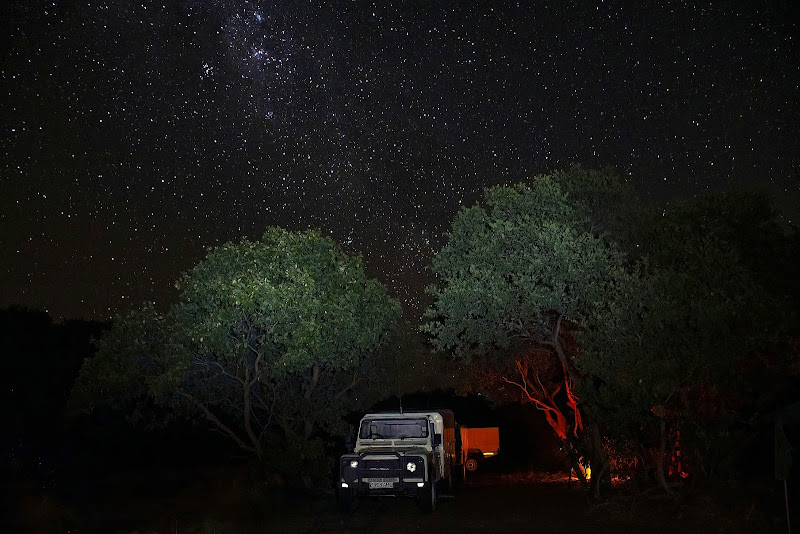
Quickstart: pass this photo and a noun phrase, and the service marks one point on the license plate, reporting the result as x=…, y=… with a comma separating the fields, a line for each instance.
x=379, y=485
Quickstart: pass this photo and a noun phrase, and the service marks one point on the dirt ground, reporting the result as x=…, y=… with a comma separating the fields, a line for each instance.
x=222, y=502
x=530, y=502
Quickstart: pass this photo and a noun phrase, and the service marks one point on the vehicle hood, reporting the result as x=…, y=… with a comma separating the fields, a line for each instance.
x=413, y=449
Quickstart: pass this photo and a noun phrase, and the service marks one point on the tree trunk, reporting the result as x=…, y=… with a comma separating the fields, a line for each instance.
x=247, y=415
x=562, y=357
x=662, y=452
x=575, y=464
x=308, y=425
x=601, y=473
x=578, y=468
x=210, y=416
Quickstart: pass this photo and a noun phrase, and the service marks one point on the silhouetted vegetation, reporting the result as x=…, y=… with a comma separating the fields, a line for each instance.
x=641, y=332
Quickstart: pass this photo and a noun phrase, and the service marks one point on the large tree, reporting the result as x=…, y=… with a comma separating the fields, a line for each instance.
x=279, y=334
x=716, y=286
x=519, y=273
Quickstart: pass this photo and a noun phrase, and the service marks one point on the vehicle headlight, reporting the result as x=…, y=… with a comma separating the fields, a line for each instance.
x=411, y=466
x=353, y=463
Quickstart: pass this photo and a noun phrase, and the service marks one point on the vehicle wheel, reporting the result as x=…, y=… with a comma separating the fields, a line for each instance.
x=347, y=500
x=471, y=465
x=445, y=485
x=428, y=498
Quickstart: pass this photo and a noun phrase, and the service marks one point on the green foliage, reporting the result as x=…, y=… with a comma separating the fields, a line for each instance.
x=516, y=267
x=660, y=329
x=731, y=245
x=280, y=333
x=137, y=359
x=524, y=270
x=603, y=201
x=292, y=315
x=700, y=303
x=296, y=298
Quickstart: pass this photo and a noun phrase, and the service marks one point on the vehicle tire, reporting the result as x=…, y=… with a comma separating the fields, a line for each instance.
x=472, y=464
x=445, y=485
x=347, y=500
x=429, y=497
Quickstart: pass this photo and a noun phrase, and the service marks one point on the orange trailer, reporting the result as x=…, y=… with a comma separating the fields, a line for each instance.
x=477, y=444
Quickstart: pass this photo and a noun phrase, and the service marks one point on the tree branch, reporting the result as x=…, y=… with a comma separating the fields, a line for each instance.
x=269, y=417
x=559, y=422
x=314, y=380
x=214, y=419
x=557, y=330
x=211, y=363
x=247, y=412
x=356, y=379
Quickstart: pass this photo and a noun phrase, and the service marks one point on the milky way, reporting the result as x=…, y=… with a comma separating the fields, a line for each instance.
x=137, y=134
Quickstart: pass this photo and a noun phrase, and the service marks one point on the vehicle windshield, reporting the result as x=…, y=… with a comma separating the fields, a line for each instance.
x=394, y=428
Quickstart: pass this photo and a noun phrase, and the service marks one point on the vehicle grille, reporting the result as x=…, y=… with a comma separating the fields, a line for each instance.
x=389, y=464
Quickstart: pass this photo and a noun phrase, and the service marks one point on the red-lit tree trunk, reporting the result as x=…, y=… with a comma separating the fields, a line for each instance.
x=569, y=378
x=541, y=397
x=544, y=399
x=599, y=459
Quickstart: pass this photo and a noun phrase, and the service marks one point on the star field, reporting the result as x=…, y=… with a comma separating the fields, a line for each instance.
x=135, y=134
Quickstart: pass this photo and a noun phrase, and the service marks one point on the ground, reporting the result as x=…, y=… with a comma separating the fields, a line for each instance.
x=226, y=501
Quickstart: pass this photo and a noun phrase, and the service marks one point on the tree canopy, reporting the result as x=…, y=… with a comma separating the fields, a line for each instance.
x=519, y=267
x=713, y=289
x=650, y=313
x=275, y=334
x=519, y=272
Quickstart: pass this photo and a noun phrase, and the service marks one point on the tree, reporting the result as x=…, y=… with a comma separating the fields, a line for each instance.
x=519, y=272
x=711, y=289
x=137, y=360
x=271, y=340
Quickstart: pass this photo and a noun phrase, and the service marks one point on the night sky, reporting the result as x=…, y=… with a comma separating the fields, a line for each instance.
x=136, y=134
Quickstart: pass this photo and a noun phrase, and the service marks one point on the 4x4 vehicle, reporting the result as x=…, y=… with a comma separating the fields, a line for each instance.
x=403, y=454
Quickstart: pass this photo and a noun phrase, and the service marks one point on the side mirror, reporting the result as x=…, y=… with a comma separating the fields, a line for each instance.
x=437, y=440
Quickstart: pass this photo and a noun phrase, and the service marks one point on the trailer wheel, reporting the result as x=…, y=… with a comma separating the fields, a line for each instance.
x=471, y=464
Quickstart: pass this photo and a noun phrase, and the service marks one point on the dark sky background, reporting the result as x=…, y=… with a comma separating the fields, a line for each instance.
x=135, y=134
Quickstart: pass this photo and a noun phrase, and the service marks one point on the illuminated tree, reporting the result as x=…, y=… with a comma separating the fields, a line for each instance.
x=279, y=335
x=519, y=271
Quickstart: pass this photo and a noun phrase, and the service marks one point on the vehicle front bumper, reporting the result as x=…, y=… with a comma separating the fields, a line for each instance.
x=383, y=474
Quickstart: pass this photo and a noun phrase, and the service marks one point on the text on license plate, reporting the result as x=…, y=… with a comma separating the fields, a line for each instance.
x=381, y=484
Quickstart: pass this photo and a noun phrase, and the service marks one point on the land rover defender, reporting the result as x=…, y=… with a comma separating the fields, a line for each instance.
x=407, y=454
